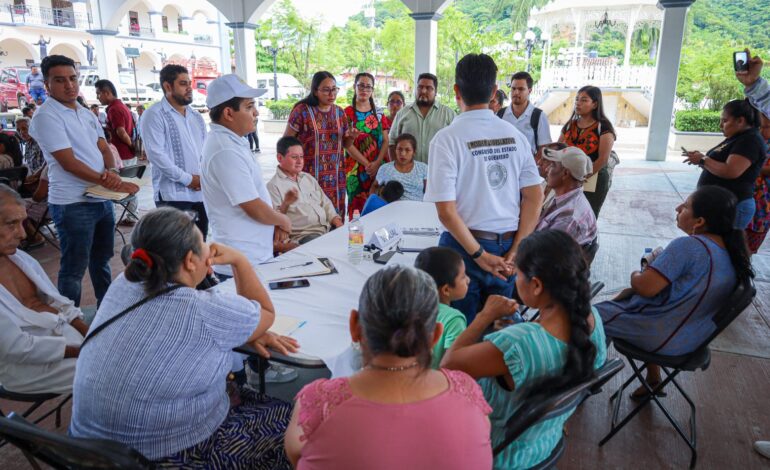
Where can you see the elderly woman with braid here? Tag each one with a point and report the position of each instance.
(396, 412)
(562, 348)
(152, 369)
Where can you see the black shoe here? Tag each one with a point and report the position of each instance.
(257, 150)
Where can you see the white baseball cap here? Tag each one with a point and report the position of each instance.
(228, 87)
(573, 159)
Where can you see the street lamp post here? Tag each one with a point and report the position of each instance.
(273, 50)
(530, 40)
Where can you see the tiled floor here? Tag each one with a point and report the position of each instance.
(732, 395)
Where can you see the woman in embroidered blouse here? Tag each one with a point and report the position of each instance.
(563, 347)
(591, 131)
(371, 142)
(394, 412)
(323, 129)
(669, 307)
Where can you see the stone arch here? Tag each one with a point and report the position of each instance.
(148, 64)
(76, 53)
(18, 52)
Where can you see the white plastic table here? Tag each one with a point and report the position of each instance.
(325, 305)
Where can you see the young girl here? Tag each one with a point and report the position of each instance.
(447, 268)
(562, 348)
(411, 174)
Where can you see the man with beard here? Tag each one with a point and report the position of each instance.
(422, 119)
(531, 121)
(173, 134)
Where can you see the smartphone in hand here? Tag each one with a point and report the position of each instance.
(740, 61)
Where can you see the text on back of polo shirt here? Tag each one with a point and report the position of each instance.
(491, 142)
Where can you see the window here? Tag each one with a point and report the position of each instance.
(179, 24)
(164, 22)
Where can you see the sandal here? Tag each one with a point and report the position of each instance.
(641, 392)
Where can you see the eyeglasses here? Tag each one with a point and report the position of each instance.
(395, 102)
(364, 87)
(329, 91)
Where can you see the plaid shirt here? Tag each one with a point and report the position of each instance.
(33, 156)
(570, 213)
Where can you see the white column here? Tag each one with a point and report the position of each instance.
(578, 30)
(106, 44)
(666, 74)
(80, 9)
(425, 43)
(223, 39)
(245, 51)
(156, 22)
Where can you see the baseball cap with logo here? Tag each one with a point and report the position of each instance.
(228, 87)
(573, 159)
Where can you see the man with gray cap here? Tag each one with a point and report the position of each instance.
(569, 211)
(236, 198)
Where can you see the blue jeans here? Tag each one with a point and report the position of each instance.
(87, 236)
(37, 93)
(744, 212)
(482, 283)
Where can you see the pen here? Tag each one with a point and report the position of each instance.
(297, 265)
(301, 324)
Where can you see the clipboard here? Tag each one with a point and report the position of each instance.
(590, 184)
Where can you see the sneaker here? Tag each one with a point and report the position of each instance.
(257, 150)
(763, 448)
(275, 374)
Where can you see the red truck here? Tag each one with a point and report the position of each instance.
(13, 88)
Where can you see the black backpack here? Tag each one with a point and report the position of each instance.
(534, 120)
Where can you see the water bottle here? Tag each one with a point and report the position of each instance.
(646, 257)
(355, 239)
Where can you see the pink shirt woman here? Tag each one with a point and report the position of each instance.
(396, 412)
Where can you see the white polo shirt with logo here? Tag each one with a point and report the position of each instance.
(481, 162)
(56, 127)
(230, 175)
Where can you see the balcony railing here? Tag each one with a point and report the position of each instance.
(29, 14)
(604, 76)
(136, 30)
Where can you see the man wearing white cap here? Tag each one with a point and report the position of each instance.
(236, 198)
(569, 210)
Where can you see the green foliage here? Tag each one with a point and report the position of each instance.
(281, 108)
(697, 120)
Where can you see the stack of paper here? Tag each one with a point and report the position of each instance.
(100, 192)
(292, 268)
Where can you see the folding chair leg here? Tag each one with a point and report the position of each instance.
(262, 365)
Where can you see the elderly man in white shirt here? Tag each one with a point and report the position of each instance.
(173, 134)
(78, 157)
(40, 330)
(236, 198)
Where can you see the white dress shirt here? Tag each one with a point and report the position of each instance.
(173, 143)
(231, 176)
(32, 343)
(56, 127)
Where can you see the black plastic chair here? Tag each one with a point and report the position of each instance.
(537, 409)
(37, 400)
(63, 452)
(46, 222)
(13, 177)
(589, 250)
(698, 359)
(133, 171)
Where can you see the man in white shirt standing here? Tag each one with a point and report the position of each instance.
(173, 135)
(72, 141)
(485, 184)
(236, 197)
(529, 120)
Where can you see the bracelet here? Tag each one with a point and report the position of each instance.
(114, 170)
(478, 252)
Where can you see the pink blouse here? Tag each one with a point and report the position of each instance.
(448, 431)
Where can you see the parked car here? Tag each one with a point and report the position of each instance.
(288, 86)
(87, 81)
(199, 101)
(130, 93)
(13, 88)
(157, 91)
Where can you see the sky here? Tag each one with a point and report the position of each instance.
(333, 12)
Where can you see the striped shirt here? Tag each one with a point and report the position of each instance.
(155, 379)
(759, 95)
(571, 213)
(530, 353)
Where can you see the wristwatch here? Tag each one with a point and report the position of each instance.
(702, 162)
(478, 252)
